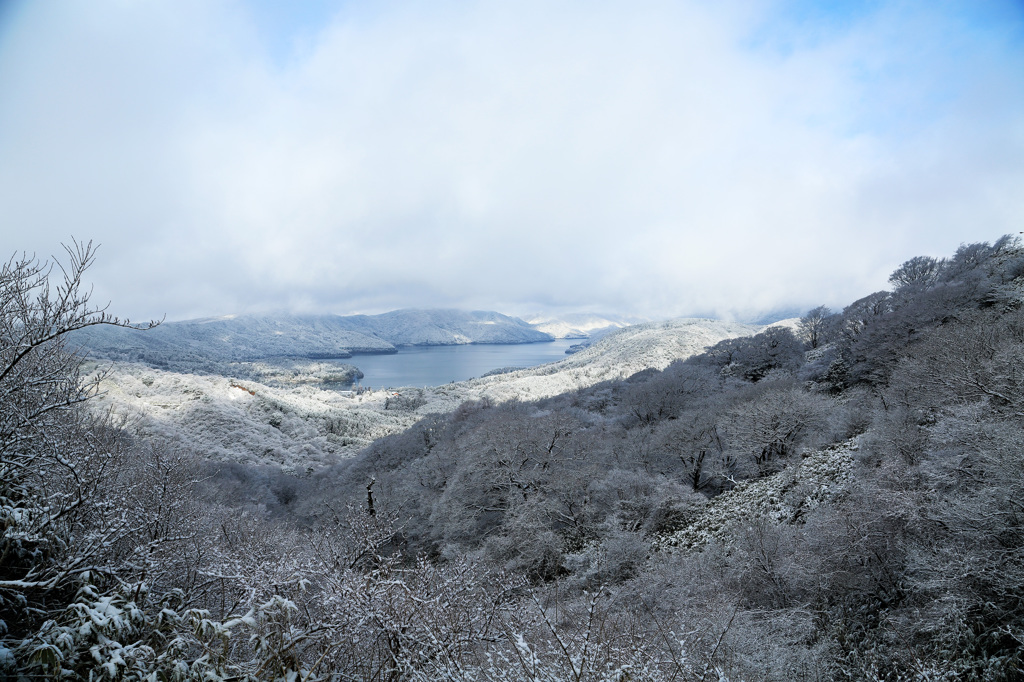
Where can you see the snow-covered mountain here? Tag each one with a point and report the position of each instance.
(578, 325)
(445, 327)
(252, 337)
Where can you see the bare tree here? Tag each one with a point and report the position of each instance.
(919, 271)
(769, 427)
(813, 325)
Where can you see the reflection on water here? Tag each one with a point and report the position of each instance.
(436, 365)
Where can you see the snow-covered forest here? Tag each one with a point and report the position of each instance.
(838, 498)
(288, 413)
(208, 344)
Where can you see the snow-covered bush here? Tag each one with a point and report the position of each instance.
(87, 519)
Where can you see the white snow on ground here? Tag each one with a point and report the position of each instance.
(230, 420)
(782, 497)
(618, 355)
(560, 329)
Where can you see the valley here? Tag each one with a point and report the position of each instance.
(799, 500)
(293, 413)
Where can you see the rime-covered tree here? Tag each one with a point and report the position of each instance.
(814, 324)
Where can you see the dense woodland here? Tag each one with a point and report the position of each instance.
(844, 503)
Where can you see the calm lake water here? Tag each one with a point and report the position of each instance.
(436, 365)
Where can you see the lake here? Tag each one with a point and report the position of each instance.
(436, 365)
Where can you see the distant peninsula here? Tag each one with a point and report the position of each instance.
(247, 338)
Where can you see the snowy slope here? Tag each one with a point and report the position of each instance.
(620, 354)
(578, 325)
(783, 497)
(224, 419)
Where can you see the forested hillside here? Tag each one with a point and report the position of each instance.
(289, 413)
(211, 343)
(842, 502)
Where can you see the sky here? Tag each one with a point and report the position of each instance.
(655, 158)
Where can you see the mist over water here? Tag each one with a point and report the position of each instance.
(436, 365)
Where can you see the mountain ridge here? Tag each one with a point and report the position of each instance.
(241, 338)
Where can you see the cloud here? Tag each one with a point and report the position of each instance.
(660, 158)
